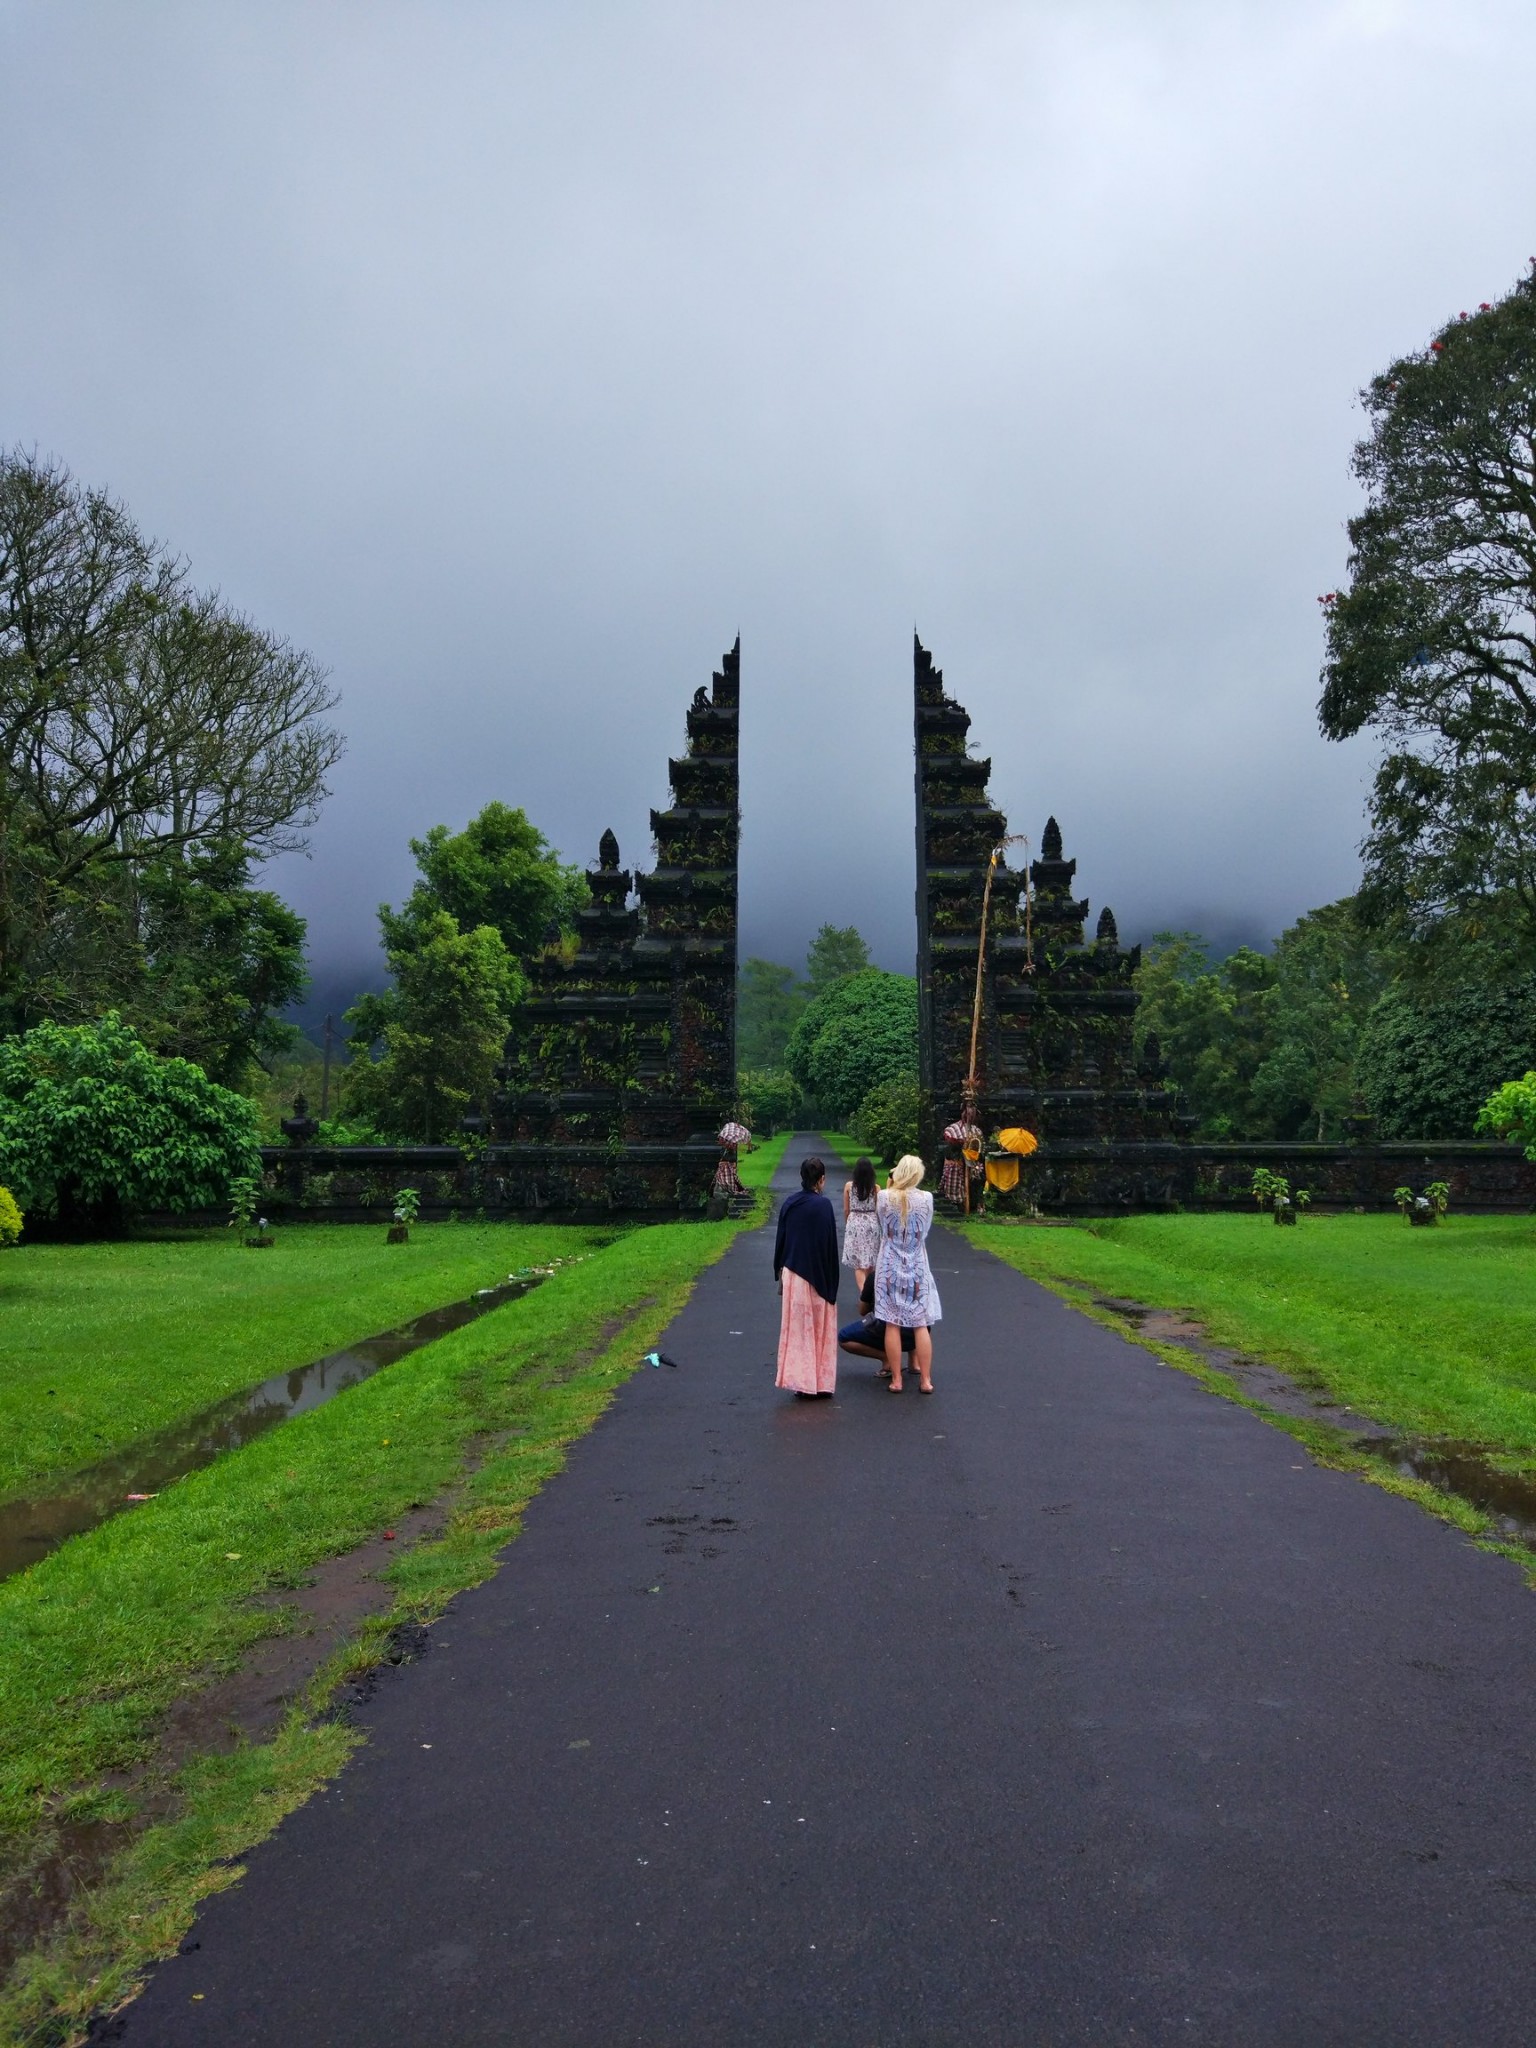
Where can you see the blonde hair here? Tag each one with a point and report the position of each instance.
(906, 1174)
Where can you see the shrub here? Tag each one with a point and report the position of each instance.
(769, 1099)
(94, 1128)
(10, 1218)
(885, 1122)
(1510, 1112)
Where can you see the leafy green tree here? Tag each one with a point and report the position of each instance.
(1433, 644)
(1427, 1066)
(139, 719)
(835, 952)
(769, 1099)
(1213, 1026)
(1510, 1112)
(769, 1002)
(499, 871)
(94, 1128)
(1329, 973)
(886, 1121)
(860, 1032)
(221, 961)
(427, 1049)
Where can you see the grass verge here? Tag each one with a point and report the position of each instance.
(1432, 1331)
(106, 1343)
(106, 1634)
(757, 1168)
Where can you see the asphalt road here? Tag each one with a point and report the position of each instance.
(1073, 1705)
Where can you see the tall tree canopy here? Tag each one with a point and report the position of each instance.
(142, 723)
(499, 871)
(837, 950)
(861, 1032)
(768, 1005)
(1433, 643)
(485, 897)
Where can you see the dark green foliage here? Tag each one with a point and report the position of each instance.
(1427, 1066)
(836, 951)
(221, 962)
(769, 1003)
(860, 1032)
(886, 1121)
(499, 871)
(768, 1099)
(95, 1129)
(1432, 645)
(488, 896)
(438, 1032)
(1329, 973)
(1212, 1023)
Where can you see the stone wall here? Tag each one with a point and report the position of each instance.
(1085, 1178)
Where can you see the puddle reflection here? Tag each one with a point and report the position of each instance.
(30, 1529)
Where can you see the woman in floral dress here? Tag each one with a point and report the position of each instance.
(861, 1225)
(905, 1296)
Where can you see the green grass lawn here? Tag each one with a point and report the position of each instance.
(103, 1635)
(1431, 1330)
(104, 1343)
(755, 1169)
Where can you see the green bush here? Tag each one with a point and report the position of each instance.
(94, 1128)
(885, 1122)
(769, 1099)
(860, 1033)
(10, 1218)
(1510, 1112)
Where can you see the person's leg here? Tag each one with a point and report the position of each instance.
(893, 1355)
(923, 1352)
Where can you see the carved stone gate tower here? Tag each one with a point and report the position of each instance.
(621, 1065)
(1055, 1047)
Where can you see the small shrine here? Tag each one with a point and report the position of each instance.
(1024, 1026)
(621, 1064)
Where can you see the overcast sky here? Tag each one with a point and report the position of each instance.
(513, 357)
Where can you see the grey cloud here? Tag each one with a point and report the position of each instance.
(514, 358)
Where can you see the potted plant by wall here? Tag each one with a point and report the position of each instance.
(407, 1209)
(254, 1233)
(1423, 1211)
(1273, 1191)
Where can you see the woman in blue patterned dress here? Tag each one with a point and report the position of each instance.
(905, 1296)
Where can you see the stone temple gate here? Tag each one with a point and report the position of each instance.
(621, 1065)
(1054, 1036)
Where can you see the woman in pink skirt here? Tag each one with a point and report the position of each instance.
(806, 1268)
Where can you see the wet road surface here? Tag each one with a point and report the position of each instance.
(1071, 1706)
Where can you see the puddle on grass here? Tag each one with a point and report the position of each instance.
(1466, 1470)
(30, 1529)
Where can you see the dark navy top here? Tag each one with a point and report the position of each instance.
(807, 1242)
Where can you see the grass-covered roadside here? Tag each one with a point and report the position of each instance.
(1433, 1331)
(106, 1342)
(103, 1635)
(756, 1169)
